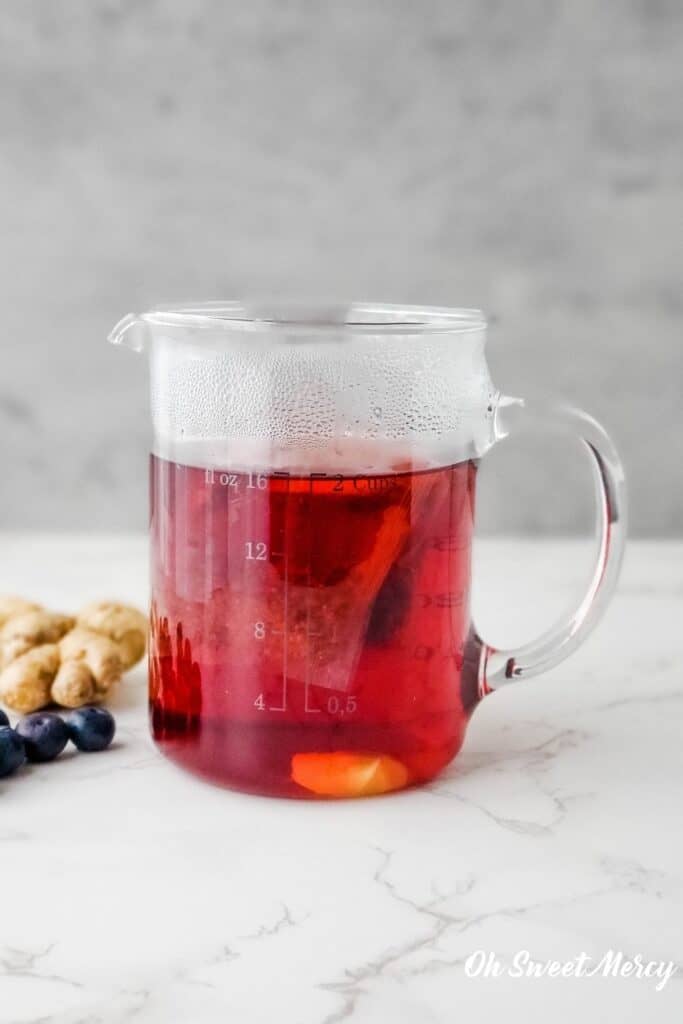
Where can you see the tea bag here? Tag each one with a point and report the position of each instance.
(329, 623)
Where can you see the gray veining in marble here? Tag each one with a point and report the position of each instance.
(522, 157)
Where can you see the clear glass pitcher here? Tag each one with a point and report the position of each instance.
(312, 500)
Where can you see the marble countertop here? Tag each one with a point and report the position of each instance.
(132, 892)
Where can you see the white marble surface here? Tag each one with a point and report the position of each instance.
(132, 892)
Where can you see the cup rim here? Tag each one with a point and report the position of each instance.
(319, 318)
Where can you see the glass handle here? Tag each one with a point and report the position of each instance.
(513, 415)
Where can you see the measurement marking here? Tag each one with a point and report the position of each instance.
(309, 635)
(285, 612)
(285, 650)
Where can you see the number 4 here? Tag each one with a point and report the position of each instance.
(260, 703)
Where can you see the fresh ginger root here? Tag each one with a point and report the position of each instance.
(126, 626)
(50, 658)
(27, 681)
(11, 606)
(23, 632)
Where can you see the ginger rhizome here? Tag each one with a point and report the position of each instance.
(47, 658)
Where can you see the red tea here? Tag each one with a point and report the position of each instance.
(311, 634)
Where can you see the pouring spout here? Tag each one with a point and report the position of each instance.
(131, 332)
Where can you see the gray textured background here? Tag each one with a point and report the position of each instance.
(523, 157)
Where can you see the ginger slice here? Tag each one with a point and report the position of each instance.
(348, 773)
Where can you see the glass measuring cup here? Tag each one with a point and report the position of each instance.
(312, 500)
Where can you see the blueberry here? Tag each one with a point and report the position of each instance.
(44, 736)
(12, 753)
(91, 728)
(4, 720)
